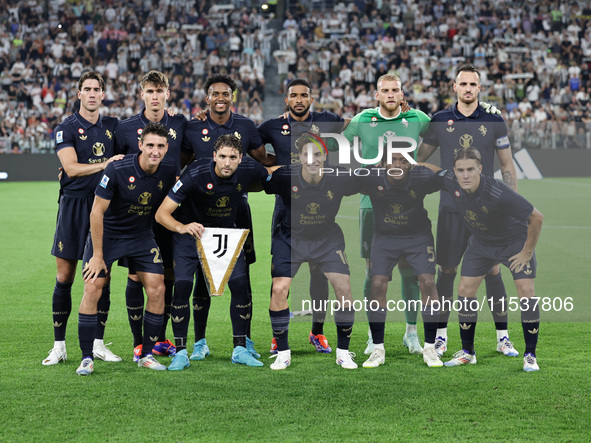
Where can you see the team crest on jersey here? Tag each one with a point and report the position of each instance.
(82, 136)
(471, 215)
(466, 140)
(222, 202)
(483, 209)
(396, 208)
(412, 194)
(450, 123)
(172, 133)
(104, 181)
(312, 208)
(98, 149)
(160, 185)
(405, 123)
(374, 122)
(109, 134)
(286, 130)
(329, 195)
(209, 186)
(59, 137)
(237, 135)
(205, 138)
(144, 198)
(131, 179)
(239, 187)
(483, 130)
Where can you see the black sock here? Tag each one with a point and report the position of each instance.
(152, 325)
(344, 319)
(169, 286)
(430, 323)
(445, 290)
(62, 307)
(530, 322)
(180, 312)
(86, 332)
(103, 306)
(201, 306)
(134, 300)
(496, 296)
(377, 324)
(468, 316)
(280, 327)
(239, 340)
(319, 296)
(248, 330)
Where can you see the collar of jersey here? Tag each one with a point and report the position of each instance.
(389, 118)
(219, 180)
(85, 123)
(213, 124)
(139, 172)
(145, 121)
(305, 184)
(459, 116)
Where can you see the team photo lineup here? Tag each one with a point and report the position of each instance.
(141, 192)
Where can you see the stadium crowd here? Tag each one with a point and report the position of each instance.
(534, 58)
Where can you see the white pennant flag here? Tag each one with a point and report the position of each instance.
(218, 251)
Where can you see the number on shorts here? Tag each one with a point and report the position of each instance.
(156, 253)
(431, 252)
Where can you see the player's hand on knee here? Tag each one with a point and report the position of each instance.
(93, 268)
(490, 109)
(520, 260)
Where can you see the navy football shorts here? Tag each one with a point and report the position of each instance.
(452, 239)
(387, 250)
(481, 257)
(366, 229)
(72, 226)
(326, 252)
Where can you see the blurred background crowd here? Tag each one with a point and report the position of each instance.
(533, 56)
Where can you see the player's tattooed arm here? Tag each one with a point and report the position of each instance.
(507, 168)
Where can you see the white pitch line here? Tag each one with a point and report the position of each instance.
(566, 182)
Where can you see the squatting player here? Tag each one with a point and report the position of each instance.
(209, 193)
(402, 229)
(121, 222)
(200, 136)
(369, 126)
(85, 146)
(281, 133)
(154, 93)
(468, 123)
(505, 228)
(308, 233)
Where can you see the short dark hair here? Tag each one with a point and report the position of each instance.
(156, 129)
(156, 78)
(469, 153)
(467, 68)
(228, 141)
(299, 82)
(220, 78)
(91, 75)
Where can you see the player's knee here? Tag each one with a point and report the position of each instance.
(448, 270)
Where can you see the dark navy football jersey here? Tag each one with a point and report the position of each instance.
(313, 207)
(451, 130)
(200, 136)
(282, 133)
(211, 200)
(398, 208)
(494, 214)
(128, 134)
(94, 143)
(134, 195)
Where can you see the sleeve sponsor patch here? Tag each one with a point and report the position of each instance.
(104, 181)
(269, 177)
(442, 172)
(59, 137)
(177, 186)
(503, 142)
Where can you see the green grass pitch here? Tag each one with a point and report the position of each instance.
(314, 399)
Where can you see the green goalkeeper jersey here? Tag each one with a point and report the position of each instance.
(370, 124)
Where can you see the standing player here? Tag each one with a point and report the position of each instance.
(210, 193)
(121, 226)
(154, 92)
(465, 124)
(200, 137)
(282, 133)
(369, 126)
(85, 146)
(505, 228)
(308, 233)
(402, 229)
